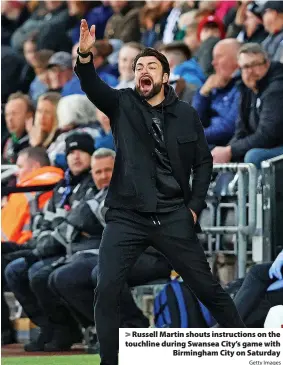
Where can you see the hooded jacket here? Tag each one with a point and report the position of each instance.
(191, 72)
(21, 208)
(260, 123)
(133, 184)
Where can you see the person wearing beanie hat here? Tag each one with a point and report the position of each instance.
(79, 141)
(273, 24)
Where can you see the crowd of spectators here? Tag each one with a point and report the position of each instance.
(226, 60)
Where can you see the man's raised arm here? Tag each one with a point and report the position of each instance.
(103, 96)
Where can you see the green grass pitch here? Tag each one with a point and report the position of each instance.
(52, 360)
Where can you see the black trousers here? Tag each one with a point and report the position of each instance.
(72, 283)
(78, 290)
(125, 237)
(252, 300)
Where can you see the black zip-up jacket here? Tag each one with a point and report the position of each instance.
(133, 184)
(260, 123)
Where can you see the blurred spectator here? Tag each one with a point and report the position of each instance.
(210, 30)
(191, 37)
(107, 72)
(18, 217)
(51, 24)
(18, 111)
(61, 76)
(124, 23)
(93, 14)
(11, 69)
(261, 290)
(248, 25)
(74, 112)
(63, 331)
(171, 26)
(273, 24)
(28, 73)
(13, 15)
(127, 55)
(259, 131)
(182, 64)
(40, 84)
(44, 130)
(153, 17)
(105, 140)
(217, 100)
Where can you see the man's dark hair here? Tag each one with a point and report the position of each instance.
(37, 154)
(147, 52)
(177, 46)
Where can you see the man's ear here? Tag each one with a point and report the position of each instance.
(165, 78)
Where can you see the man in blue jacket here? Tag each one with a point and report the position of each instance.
(217, 100)
(259, 131)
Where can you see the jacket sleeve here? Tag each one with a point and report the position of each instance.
(202, 170)
(202, 105)
(222, 127)
(46, 244)
(269, 130)
(99, 93)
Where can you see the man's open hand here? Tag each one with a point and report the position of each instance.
(87, 37)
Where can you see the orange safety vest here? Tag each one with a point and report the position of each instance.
(17, 213)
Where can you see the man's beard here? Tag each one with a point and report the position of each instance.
(154, 91)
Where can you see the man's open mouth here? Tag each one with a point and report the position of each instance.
(145, 84)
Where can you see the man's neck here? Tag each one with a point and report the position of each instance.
(157, 99)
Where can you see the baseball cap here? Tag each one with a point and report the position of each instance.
(63, 59)
(273, 5)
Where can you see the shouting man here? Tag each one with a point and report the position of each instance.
(159, 140)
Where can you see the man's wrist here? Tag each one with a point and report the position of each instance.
(204, 91)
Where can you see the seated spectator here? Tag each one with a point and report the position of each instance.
(28, 74)
(61, 76)
(259, 131)
(13, 15)
(18, 216)
(33, 170)
(210, 30)
(153, 17)
(248, 26)
(94, 14)
(127, 55)
(51, 21)
(191, 37)
(107, 72)
(105, 140)
(18, 111)
(124, 23)
(261, 290)
(40, 84)
(182, 64)
(48, 247)
(74, 113)
(11, 70)
(217, 100)
(273, 24)
(44, 130)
